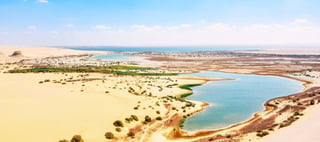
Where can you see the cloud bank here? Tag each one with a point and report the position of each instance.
(296, 32)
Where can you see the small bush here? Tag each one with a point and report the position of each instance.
(312, 102)
(134, 117)
(109, 135)
(64, 140)
(76, 138)
(158, 118)
(181, 123)
(131, 134)
(118, 123)
(147, 118)
(118, 129)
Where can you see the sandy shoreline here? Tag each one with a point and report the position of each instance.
(305, 129)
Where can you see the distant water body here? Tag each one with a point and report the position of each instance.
(160, 49)
(236, 100)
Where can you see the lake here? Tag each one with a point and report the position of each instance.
(236, 100)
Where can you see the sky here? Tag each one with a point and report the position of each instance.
(160, 22)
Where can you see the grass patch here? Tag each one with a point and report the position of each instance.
(131, 70)
(181, 123)
(188, 86)
(186, 95)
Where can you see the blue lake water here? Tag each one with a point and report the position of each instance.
(236, 100)
(160, 49)
(118, 56)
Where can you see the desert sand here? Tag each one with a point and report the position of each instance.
(36, 52)
(50, 107)
(287, 51)
(52, 111)
(304, 130)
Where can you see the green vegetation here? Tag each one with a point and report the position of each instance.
(118, 123)
(131, 134)
(134, 117)
(109, 135)
(181, 123)
(76, 138)
(147, 118)
(118, 129)
(188, 86)
(262, 133)
(185, 95)
(119, 70)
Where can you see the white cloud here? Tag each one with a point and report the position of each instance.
(54, 32)
(43, 1)
(173, 28)
(146, 28)
(32, 27)
(100, 27)
(206, 34)
(202, 21)
(220, 27)
(185, 25)
(300, 21)
(69, 25)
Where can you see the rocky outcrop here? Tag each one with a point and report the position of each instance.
(16, 54)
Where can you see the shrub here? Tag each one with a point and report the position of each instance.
(131, 134)
(158, 118)
(134, 117)
(118, 129)
(158, 112)
(76, 138)
(181, 123)
(109, 135)
(118, 123)
(147, 118)
(312, 102)
(64, 140)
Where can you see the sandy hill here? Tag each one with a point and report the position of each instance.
(16, 54)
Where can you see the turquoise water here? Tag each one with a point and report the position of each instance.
(236, 100)
(161, 49)
(111, 57)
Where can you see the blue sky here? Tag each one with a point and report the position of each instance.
(164, 22)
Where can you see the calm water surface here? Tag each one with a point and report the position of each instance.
(118, 56)
(237, 100)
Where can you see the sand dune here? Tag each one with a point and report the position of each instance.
(34, 111)
(304, 130)
(44, 51)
